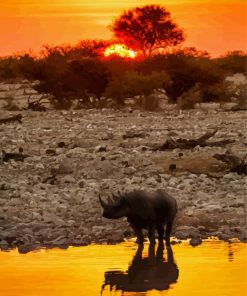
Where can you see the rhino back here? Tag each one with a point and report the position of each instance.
(165, 206)
(157, 207)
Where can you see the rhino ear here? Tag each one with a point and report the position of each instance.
(115, 197)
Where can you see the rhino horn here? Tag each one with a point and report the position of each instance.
(102, 202)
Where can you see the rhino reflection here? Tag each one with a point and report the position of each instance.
(144, 274)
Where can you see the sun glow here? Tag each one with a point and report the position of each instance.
(120, 50)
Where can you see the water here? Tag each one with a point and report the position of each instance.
(213, 269)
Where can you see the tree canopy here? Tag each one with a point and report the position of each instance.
(147, 29)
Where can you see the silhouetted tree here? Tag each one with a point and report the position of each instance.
(148, 29)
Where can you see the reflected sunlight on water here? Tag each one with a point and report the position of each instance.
(213, 268)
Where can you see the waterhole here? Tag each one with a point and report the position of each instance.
(214, 268)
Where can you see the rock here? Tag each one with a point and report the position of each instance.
(60, 241)
(68, 179)
(4, 245)
(195, 241)
(24, 248)
(129, 171)
(175, 241)
(151, 181)
(173, 182)
(108, 136)
(61, 144)
(172, 167)
(64, 168)
(81, 183)
(129, 134)
(116, 237)
(229, 106)
(4, 186)
(243, 236)
(50, 152)
(184, 232)
(85, 240)
(231, 176)
(100, 148)
(54, 219)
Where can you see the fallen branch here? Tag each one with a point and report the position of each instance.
(236, 164)
(15, 156)
(36, 105)
(130, 134)
(13, 118)
(172, 143)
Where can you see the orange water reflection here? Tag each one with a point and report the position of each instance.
(213, 268)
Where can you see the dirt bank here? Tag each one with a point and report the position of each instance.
(50, 199)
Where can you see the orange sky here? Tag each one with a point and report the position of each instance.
(216, 26)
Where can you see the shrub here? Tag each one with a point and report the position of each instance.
(188, 99)
(133, 84)
(233, 62)
(78, 83)
(9, 68)
(186, 68)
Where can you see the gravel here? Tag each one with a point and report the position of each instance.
(51, 198)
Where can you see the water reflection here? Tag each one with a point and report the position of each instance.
(145, 273)
(230, 253)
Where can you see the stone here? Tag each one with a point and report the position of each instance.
(24, 248)
(81, 183)
(68, 179)
(116, 237)
(231, 176)
(100, 148)
(195, 241)
(129, 171)
(4, 245)
(30, 91)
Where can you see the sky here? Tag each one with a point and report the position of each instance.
(216, 26)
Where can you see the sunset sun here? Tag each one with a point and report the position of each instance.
(120, 50)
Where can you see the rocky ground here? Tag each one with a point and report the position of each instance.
(51, 198)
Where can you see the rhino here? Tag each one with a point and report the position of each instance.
(143, 211)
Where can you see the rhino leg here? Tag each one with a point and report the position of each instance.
(139, 234)
(151, 234)
(160, 229)
(168, 232)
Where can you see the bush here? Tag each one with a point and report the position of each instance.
(9, 68)
(186, 68)
(233, 62)
(188, 99)
(78, 83)
(133, 84)
(81, 75)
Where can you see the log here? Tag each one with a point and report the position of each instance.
(15, 156)
(13, 118)
(235, 163)
(130, 134)
(172, 143)
(36, 105)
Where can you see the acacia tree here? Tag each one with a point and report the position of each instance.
(148, 29)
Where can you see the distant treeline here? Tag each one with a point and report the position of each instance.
(83, 75)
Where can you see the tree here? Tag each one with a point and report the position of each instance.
(148, 29)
